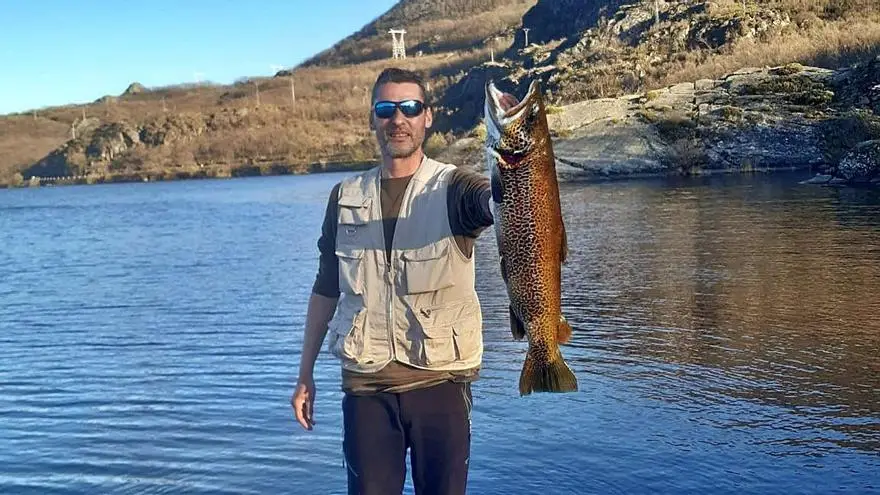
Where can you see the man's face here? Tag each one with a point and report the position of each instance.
(400, 136)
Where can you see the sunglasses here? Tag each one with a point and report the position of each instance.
(409, 108)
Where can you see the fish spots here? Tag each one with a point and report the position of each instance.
(529, 230)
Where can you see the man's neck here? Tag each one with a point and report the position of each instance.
(393, 168)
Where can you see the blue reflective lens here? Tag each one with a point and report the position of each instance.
(409, 108)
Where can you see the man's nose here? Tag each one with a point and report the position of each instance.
(398, 117)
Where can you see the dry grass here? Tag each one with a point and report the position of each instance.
(25, 139)
(225, 127)
(444, 26)
(830, 45)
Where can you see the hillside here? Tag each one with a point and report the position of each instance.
(580, 49)
(254, 126)
(614, 48)
(432, 26)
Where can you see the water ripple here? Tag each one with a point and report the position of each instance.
(725, 339)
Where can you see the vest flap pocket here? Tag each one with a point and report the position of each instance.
(353, 201)
(351, 342)
(450, 331)
(354, 210)
(427, 269)
(352, 254)
(444, 315)
(351, 270)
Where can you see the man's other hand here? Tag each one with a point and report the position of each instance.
(303, 402)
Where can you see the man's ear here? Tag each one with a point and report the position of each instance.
(429, 118)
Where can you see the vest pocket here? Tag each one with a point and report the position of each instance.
(351, 270)
(351, 339)
(427, 269)
(439, 345)
(351, 238)
(354, 210)
(450, 331)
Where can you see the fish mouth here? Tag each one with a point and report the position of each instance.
(495, 111)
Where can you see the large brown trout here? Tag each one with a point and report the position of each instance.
(530, 233)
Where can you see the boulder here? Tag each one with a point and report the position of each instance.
(862, 164)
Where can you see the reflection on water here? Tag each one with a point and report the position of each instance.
(727, 338)
(766, 293)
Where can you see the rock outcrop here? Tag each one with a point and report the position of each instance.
(134, 89)
(583, 49)
(753, 119)
(859, 167)
(558, 19)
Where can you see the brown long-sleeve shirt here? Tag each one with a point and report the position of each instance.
(468, 215)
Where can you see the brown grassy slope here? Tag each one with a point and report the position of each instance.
(223, 125)
(823, 33)
(26, 138)
(432, 26)
(218, 129)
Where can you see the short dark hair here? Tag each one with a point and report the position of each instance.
(397, 75)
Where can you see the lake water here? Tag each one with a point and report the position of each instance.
(726, 339)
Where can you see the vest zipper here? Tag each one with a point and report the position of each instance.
(389, 283)
(389, 272)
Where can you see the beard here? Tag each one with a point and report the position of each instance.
(400, 148)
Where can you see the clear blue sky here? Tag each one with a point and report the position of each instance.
(54, 52)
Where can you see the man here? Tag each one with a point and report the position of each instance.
(395, 297)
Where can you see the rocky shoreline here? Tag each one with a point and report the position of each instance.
(753, 120)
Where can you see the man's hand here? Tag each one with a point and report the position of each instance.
(303, 402)
(320, 311)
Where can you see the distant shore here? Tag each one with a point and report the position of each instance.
(248, 170)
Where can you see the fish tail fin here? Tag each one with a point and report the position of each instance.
(563, 331)
(539, 376)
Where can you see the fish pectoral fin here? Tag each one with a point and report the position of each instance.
(563, 250)
(516, 325)
(503, 270)
(541, 376)
(563, 331)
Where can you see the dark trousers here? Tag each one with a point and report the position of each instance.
(433, 423)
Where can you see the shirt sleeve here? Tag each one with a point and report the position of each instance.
(468, 203)
(327, 280)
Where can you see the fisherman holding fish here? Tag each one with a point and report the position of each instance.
(395, 300)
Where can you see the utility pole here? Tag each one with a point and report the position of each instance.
(292, 91)
(398, 48)
(257, 85)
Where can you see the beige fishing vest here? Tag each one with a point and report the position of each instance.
(421, 309)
